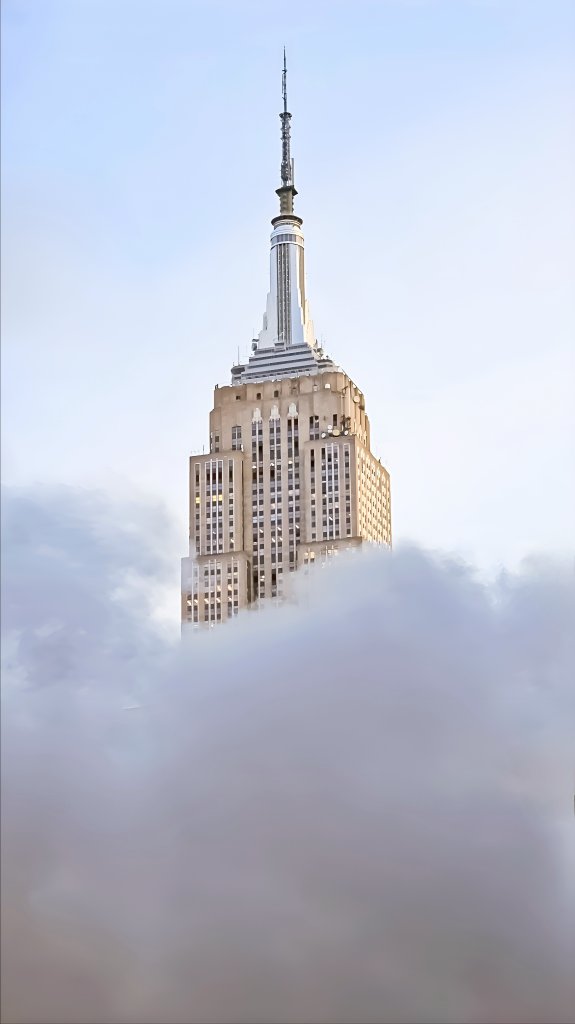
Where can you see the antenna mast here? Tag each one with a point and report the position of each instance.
(285, 116)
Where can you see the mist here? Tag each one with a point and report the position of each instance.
(357, 808)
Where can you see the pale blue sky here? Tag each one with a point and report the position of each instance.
(435, 156)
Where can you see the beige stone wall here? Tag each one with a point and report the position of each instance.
(325, 395)
(289, 473)
(216, 488)
(214, 588)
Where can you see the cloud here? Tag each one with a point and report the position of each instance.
(356, 809)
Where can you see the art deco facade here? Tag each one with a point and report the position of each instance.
(290, 478)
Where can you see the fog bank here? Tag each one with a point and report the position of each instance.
(358, 808)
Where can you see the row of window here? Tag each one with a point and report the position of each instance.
(205, 602)
(314, 429)
(287, 238)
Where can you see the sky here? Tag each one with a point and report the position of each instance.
(379, 830)
(434, 155)
(362, 807)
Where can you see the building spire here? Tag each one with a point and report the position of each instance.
(284, 83)
(286, 192)
(285, 116)
(286, 343)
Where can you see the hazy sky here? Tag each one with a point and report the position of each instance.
(434, 158)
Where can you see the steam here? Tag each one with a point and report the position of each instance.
(356, 809)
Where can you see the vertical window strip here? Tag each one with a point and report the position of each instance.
(283, 290)
(257, 509)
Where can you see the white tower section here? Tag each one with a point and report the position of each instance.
(286, 319)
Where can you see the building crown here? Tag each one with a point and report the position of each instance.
(286, 345)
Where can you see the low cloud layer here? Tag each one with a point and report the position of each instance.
(356, 809)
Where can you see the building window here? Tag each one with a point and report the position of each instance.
(314, 428)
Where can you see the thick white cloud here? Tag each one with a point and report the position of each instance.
(356, 809)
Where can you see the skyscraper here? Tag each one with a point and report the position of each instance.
(290, 478)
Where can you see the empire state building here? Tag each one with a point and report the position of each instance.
(290, 479)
